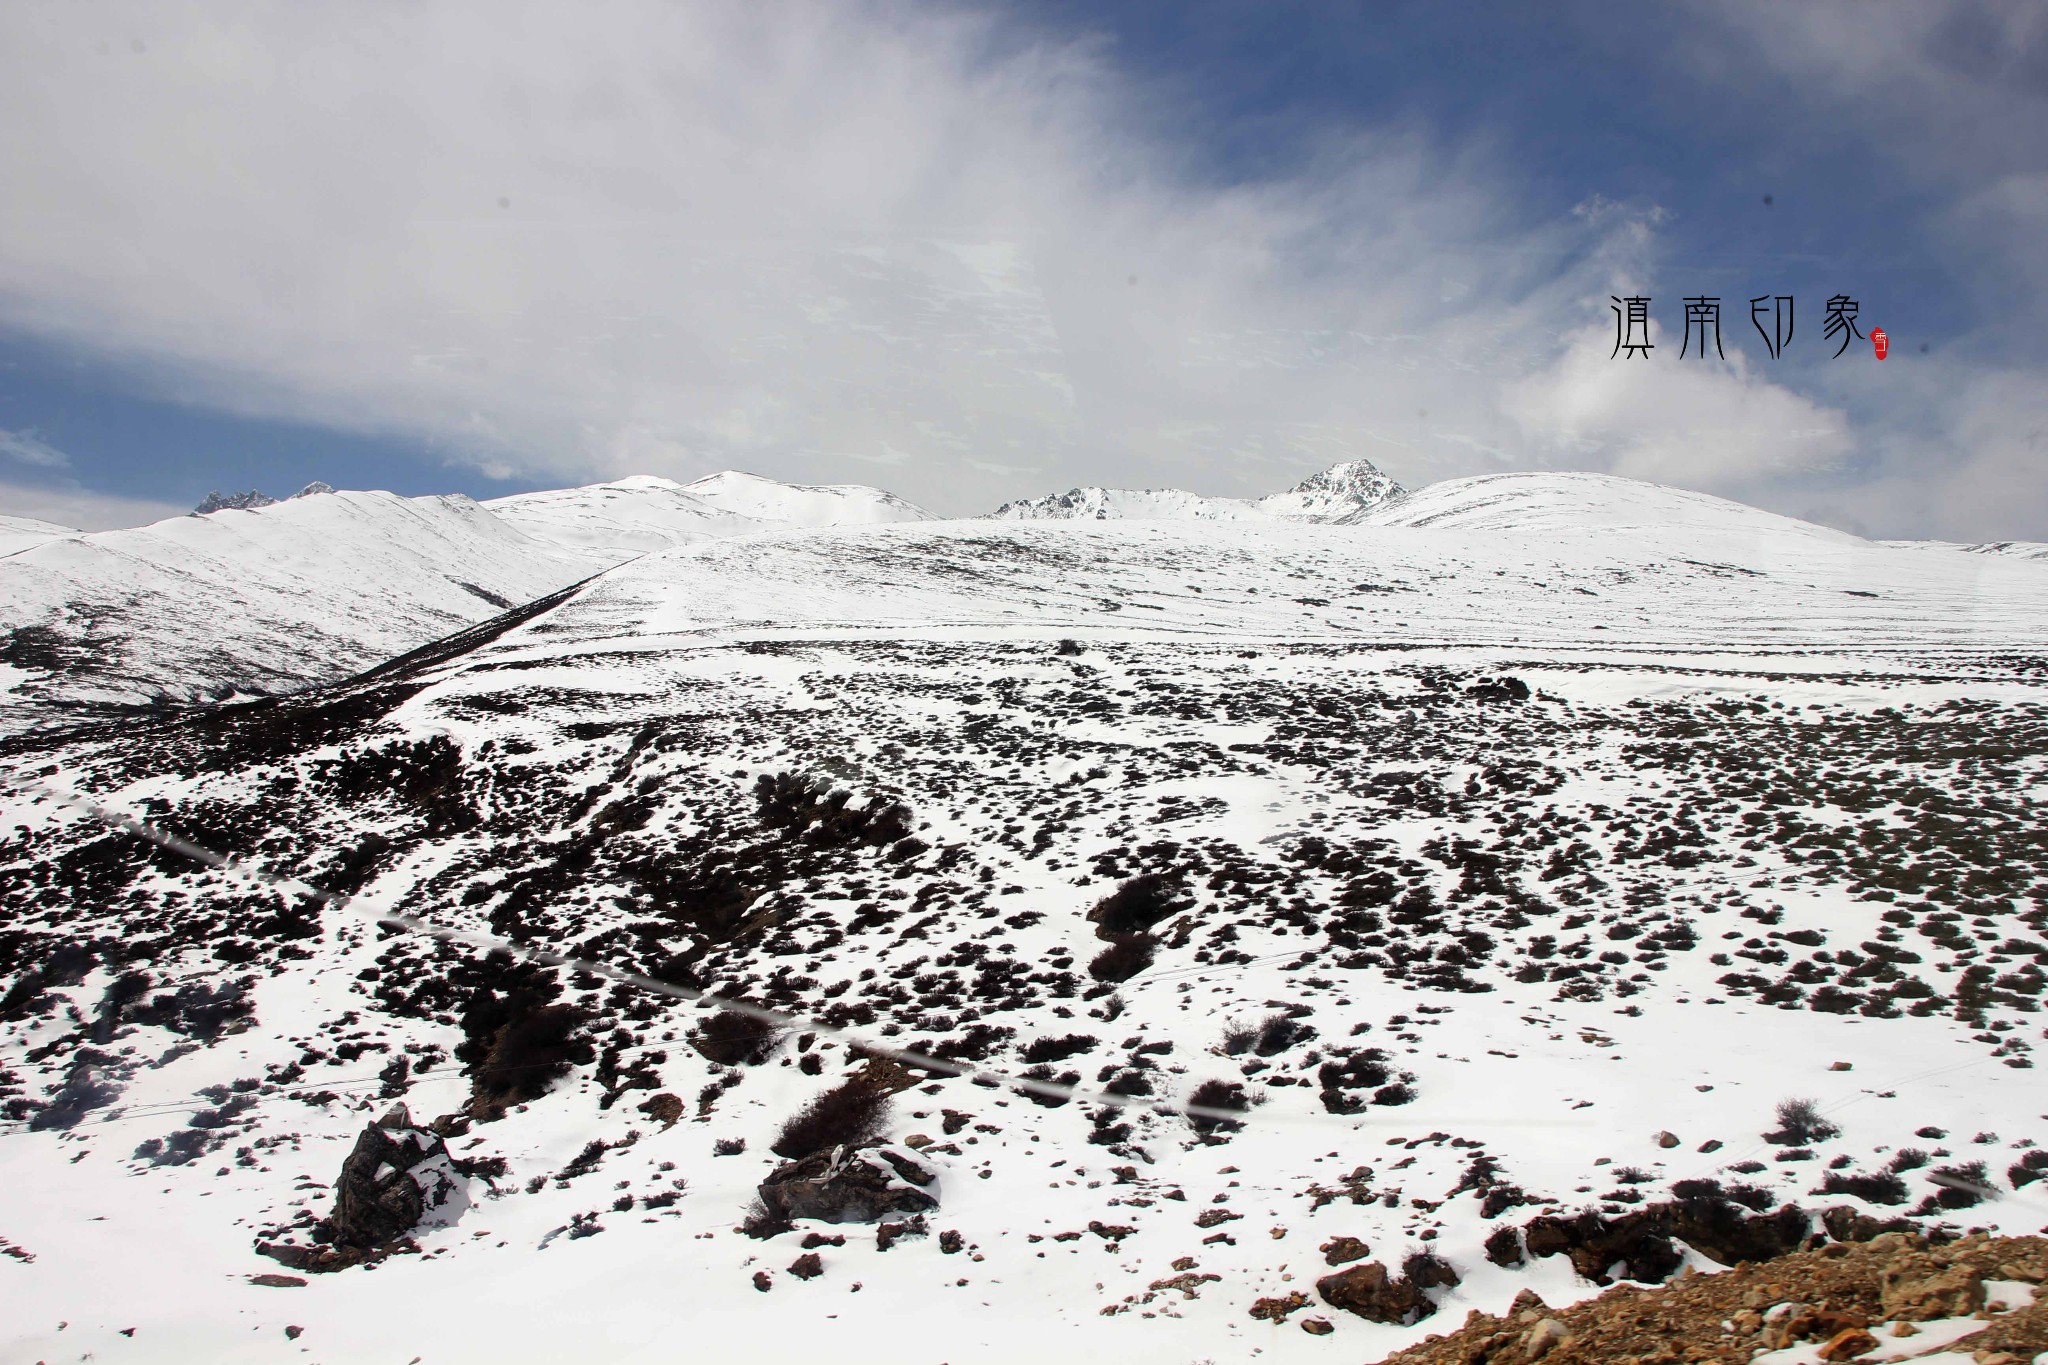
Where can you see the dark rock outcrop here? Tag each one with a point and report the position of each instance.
(1642, 1243)
(1375, 1293)
(850, 1185)
(397, 1179)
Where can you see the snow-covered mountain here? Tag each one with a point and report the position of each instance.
(264, 600)
(18, 533)
(1340, 495)
(613, 522)
(1539, 504)
(616, 521)
(1562, 893)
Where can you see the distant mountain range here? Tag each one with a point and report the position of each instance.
(255, 595)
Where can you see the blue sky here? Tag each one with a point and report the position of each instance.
(977, 252)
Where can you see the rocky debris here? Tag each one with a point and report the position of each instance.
(1277, 1309)
(1642, 1241)
(1318, 1327)
(1375, 1293)
(1845, 1299)
(1342, 1250)
(398, 1179)
(808, 1266)
(850, 1185)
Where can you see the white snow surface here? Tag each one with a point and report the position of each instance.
(18, 533)
(305, 590)
(613, 522)
(1769, 777)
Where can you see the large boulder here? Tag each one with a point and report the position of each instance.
(850, 1185)
(1375, 1293)
(397, 1180)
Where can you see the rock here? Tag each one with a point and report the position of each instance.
(397, 1178)
(850, 1185)
(1667, 1140)
(1276, 1310)
(762, 1280)
(1318, 1327)
(1375, 1294)
(276, 1281)
(1847, 1344)
(951, 1242)
(807, 1266)
(1543, 1338)
(664, 1108)
(1340, 1250)
(1912, 1288)
(1843, 1066)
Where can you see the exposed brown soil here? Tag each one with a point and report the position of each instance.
(1836, 1293)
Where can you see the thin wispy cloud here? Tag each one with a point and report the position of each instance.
(25, 447)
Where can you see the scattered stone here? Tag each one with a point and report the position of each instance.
(1277, 1309)
(1544, 1337)
(1667, 1140)
(271, 1280)
(1318, 1327)
(807, 1266)
(762, 1280)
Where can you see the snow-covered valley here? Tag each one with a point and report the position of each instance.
(1505, 850)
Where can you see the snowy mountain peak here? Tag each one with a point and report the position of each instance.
(1122, 504)
(249, 501)
(1340, 494)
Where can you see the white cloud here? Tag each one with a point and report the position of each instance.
(26, 447)
(70, 505)
(809, 239)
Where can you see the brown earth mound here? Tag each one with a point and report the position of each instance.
(1851, 1297)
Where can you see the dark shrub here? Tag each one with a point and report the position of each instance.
(1124, 958)
(1058, 1049)
(525, 1056)
(847, 1115)
(1882, 1188)
(1137, 905)
(1800, 1122)
(1217, 1095)
(731, 1038)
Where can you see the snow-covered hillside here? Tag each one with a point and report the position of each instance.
(1503, 875)
(19, 533)
(802, 504)
(1340, 495)
(301, 591)
(613, 522)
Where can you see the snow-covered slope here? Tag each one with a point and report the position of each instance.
(1534, 505)
(613, 522)
(802, 504)
(18, 533)
(1342, 494)
(1502, 875)
(302, 591)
